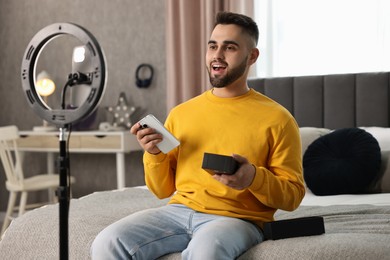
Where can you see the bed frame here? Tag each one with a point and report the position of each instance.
(332, 101)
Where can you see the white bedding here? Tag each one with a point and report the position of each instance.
(379, 199)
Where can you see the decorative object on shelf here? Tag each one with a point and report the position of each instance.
(86, 124)
(121, 112)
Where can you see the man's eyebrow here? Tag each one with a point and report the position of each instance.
(231, 42)
(224, 42)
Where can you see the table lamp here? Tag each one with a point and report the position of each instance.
(45, 87)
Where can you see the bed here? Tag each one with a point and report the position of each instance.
(357, 226)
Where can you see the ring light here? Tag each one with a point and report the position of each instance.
(96, 78)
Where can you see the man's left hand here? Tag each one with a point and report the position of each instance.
(242, 178)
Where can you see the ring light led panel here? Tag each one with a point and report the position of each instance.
(63, 117)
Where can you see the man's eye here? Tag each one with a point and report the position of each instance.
(212, 47)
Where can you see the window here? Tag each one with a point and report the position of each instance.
(306, 37)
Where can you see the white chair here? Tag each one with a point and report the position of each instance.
(16, 183)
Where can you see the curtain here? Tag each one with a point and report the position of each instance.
(189, 24)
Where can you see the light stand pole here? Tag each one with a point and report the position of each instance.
(63, 195)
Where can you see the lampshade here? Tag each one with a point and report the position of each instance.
(44, 85)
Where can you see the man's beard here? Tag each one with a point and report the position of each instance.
(230, 77)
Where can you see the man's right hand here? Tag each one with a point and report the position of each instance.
(147, 137)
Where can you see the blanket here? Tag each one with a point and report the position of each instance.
(351, 231)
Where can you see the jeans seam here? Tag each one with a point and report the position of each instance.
(137, 247)
(190, 223)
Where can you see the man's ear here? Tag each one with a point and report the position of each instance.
(255, 53)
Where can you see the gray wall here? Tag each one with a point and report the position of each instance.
(129, 31)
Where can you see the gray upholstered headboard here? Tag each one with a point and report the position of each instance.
(332, 101)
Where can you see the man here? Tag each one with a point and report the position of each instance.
(215, 216)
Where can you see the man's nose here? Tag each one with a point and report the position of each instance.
(219, 54)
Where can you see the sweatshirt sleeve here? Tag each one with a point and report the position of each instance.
(160, 173)
(160, 169)
(280, 185)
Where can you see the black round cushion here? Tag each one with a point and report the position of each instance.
(345, 161)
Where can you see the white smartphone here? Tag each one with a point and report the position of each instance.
(169, 141)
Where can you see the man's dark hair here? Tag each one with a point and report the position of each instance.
(245, 22)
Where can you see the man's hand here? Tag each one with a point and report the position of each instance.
(242, 178)
(147, 138)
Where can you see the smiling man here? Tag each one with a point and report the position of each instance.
(214, 216)
(229, 57)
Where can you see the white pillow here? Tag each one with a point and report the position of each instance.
(310, 134)
(381, 134)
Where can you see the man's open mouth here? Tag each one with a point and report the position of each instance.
(218, 67)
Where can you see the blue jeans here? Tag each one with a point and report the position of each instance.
(155, 232)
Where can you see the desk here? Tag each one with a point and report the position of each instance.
(118, 142)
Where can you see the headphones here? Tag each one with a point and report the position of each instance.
(144, 83)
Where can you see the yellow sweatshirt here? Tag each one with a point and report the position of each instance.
(251, 125)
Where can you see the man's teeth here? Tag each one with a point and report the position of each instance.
(217, 67)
